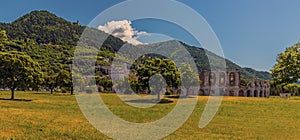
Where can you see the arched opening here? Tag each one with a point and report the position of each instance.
(231, 92)
(231, 79)
(248, 93)
(212, 78)
(226, 92)
(241, 93)
(222, 78)
(256, 93)
(212, 93)
(261, 94)
(206, 92)
(201, 92)
(252, 84)
(221, 92)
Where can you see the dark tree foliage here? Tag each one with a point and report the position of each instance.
(44, 27)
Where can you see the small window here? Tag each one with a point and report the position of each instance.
(222, 78)
(231, 79)
(212, 79)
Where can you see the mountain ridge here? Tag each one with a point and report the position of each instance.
(46, 28)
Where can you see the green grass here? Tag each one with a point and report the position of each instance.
(45, 116)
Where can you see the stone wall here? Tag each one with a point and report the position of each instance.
(227, 83)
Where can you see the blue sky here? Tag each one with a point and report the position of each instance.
(251, 32)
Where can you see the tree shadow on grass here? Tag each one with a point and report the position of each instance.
(149, 101)
(53, 94)
(177, 96)
(20, 100)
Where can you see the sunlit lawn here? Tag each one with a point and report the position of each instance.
(45, 116)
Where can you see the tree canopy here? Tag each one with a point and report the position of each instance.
(18, 71)
(287, 68)
(190, 77)
(165, 67)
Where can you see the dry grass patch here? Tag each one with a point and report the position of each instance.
(59, 117)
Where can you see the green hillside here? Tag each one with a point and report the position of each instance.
(50, 40)
(44, 28)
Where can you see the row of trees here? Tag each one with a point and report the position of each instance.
(26, 65)
(19, 70)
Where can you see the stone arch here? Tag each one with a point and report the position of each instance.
(221, 92)
(231, 92)
(248, 93)
(256, 93)
(222, 79)
(257, 83)
(212, 78)
(241, 93)
(206, 92)
(201, 92)
(232, 79)
(226, 92)
(261, 93)
(252, 84)
(212, 92)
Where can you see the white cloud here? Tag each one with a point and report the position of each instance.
(123, 30)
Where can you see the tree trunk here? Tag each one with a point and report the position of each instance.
(282, 89)
(51, 90)
(72, 90)
(12, 94)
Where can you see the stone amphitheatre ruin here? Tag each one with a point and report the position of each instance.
(229, 84)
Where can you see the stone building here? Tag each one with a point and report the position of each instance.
(118, 72)
(228, 83)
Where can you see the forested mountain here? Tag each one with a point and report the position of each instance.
(199, 55)
(51, 41)
(44, 28)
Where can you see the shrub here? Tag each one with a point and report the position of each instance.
(64, 90)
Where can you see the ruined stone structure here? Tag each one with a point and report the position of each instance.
(224, 83)
(227, 83)
(117, 73)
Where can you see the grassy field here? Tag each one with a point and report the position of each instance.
(45, 116)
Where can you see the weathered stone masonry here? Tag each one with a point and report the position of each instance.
(228, 84)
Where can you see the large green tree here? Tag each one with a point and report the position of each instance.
(104, 82)
(164, 67)
(190, 77)
(287, 68)
(50, 80)
(18, 71)
(64, 79)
